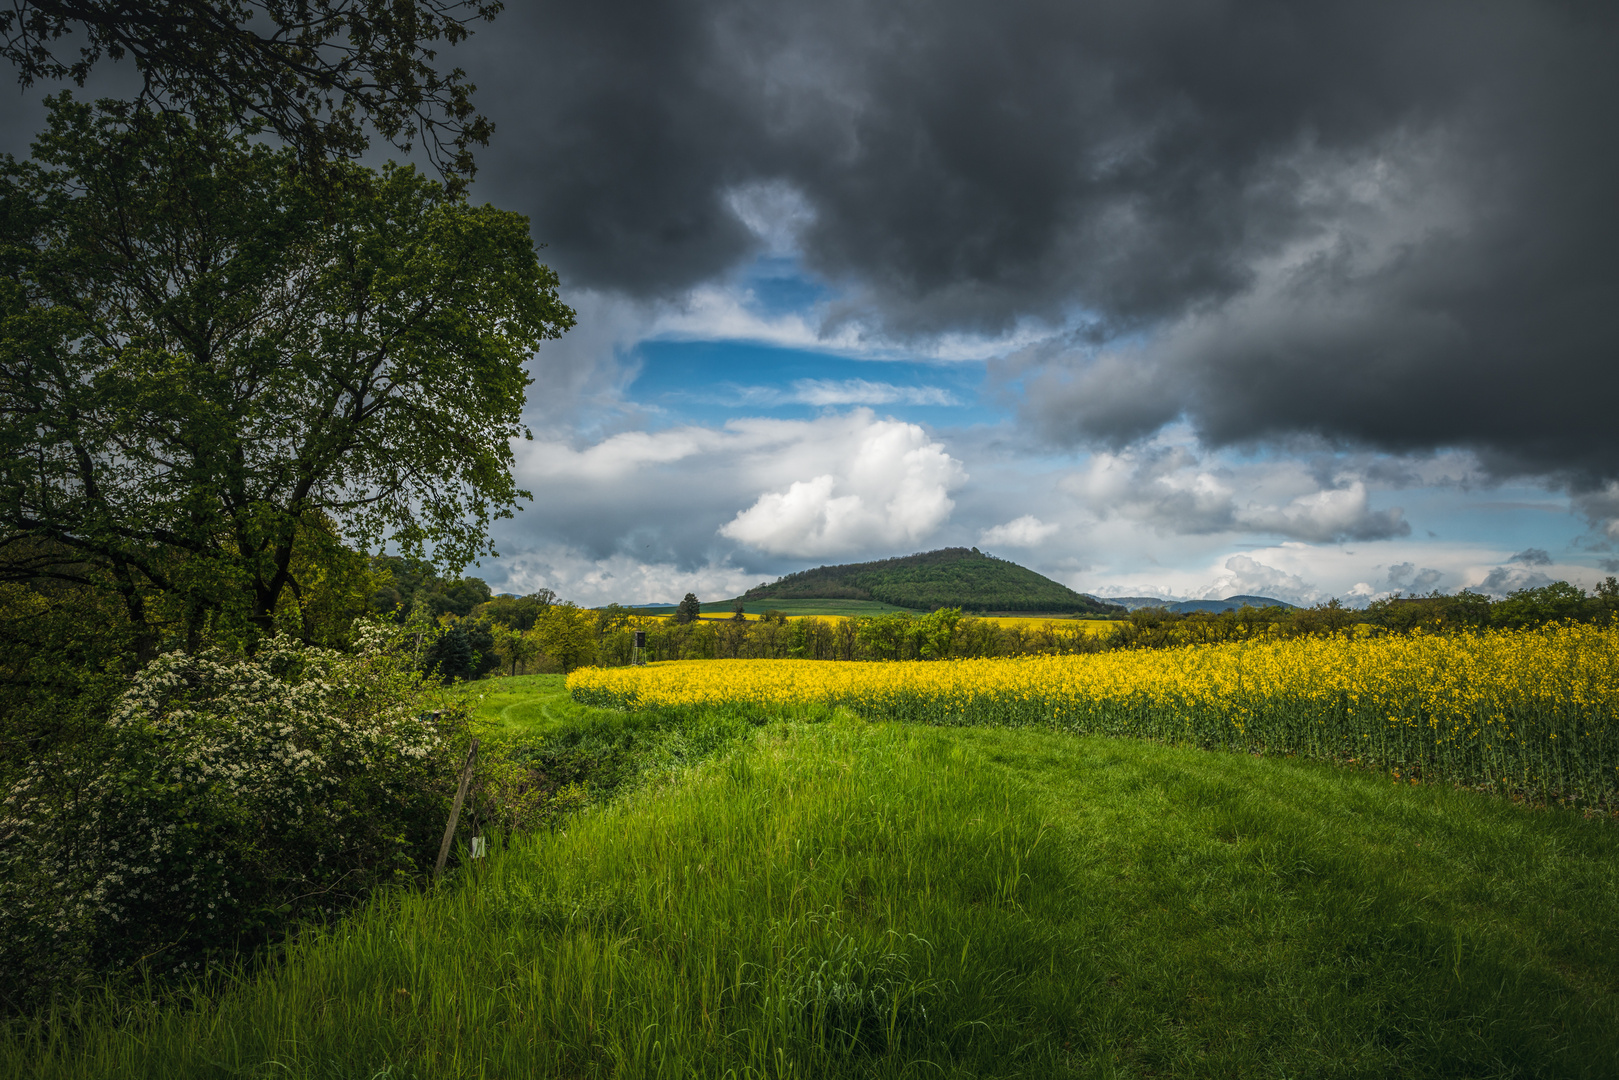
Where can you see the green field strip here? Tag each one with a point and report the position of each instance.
(880, 900)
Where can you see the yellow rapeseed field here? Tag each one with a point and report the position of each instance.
(1529, 711)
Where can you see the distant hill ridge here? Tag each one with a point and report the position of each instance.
(950, 577)
(1184, 607)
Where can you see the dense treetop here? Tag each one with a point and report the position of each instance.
(950, 577)
(216, 377)
(316, 72)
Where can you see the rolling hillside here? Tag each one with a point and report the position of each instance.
(949, 577)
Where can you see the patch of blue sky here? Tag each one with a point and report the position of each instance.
(709, 382)
(1508, 518)
(779, 285)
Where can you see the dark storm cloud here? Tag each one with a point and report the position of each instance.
(1377, 223)
(1383, 224)
(969, 162)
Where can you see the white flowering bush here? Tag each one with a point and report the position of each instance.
(224, 799)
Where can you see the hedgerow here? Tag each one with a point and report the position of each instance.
(226, 799)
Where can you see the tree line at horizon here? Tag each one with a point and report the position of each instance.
(540, 633)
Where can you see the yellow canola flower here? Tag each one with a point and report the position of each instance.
(1534, 706)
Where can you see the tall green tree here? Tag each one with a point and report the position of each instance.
(514, 647)
(567, 634)
(400, 582)
(210, 365)
(516, 612)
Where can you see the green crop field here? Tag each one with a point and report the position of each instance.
(809, 894)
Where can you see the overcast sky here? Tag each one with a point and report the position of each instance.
(1175, 298)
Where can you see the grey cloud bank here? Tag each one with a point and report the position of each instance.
(1386, 224)
(1350, 234)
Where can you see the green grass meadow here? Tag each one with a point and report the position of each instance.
(525, 707)
(820, 896)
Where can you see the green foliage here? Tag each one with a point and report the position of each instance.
(451, 656)
(1439, 612)
(817, 607)
(688, 609)
(883, 637)
(1158, 628)
(894, 635)
(950, 577)
(464, 649)
(514, 648)
(213, 371)
(1535, 607)
(401, 582)
(223, 800)
(517, 613)
(63, 653)
(329, 587)
(1154, 627)
(316, 71)
(567, 634)
(465, 642)
(951, 633)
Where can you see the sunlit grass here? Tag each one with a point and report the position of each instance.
(522, 706)
(880, 900)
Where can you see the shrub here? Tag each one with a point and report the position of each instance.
(225, 799)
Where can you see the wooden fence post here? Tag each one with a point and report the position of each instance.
(455, 811)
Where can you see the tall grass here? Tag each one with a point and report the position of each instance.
(755, 915)
(866, 900)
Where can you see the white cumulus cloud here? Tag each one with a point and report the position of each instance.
(1247, 576)
(1026, 531)
(1172, 489)
(892, 488)
(618, 578)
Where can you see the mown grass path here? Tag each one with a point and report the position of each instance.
(855, 899)
(1242, 916)
(523, 706)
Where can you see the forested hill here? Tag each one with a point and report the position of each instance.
(950, 577)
